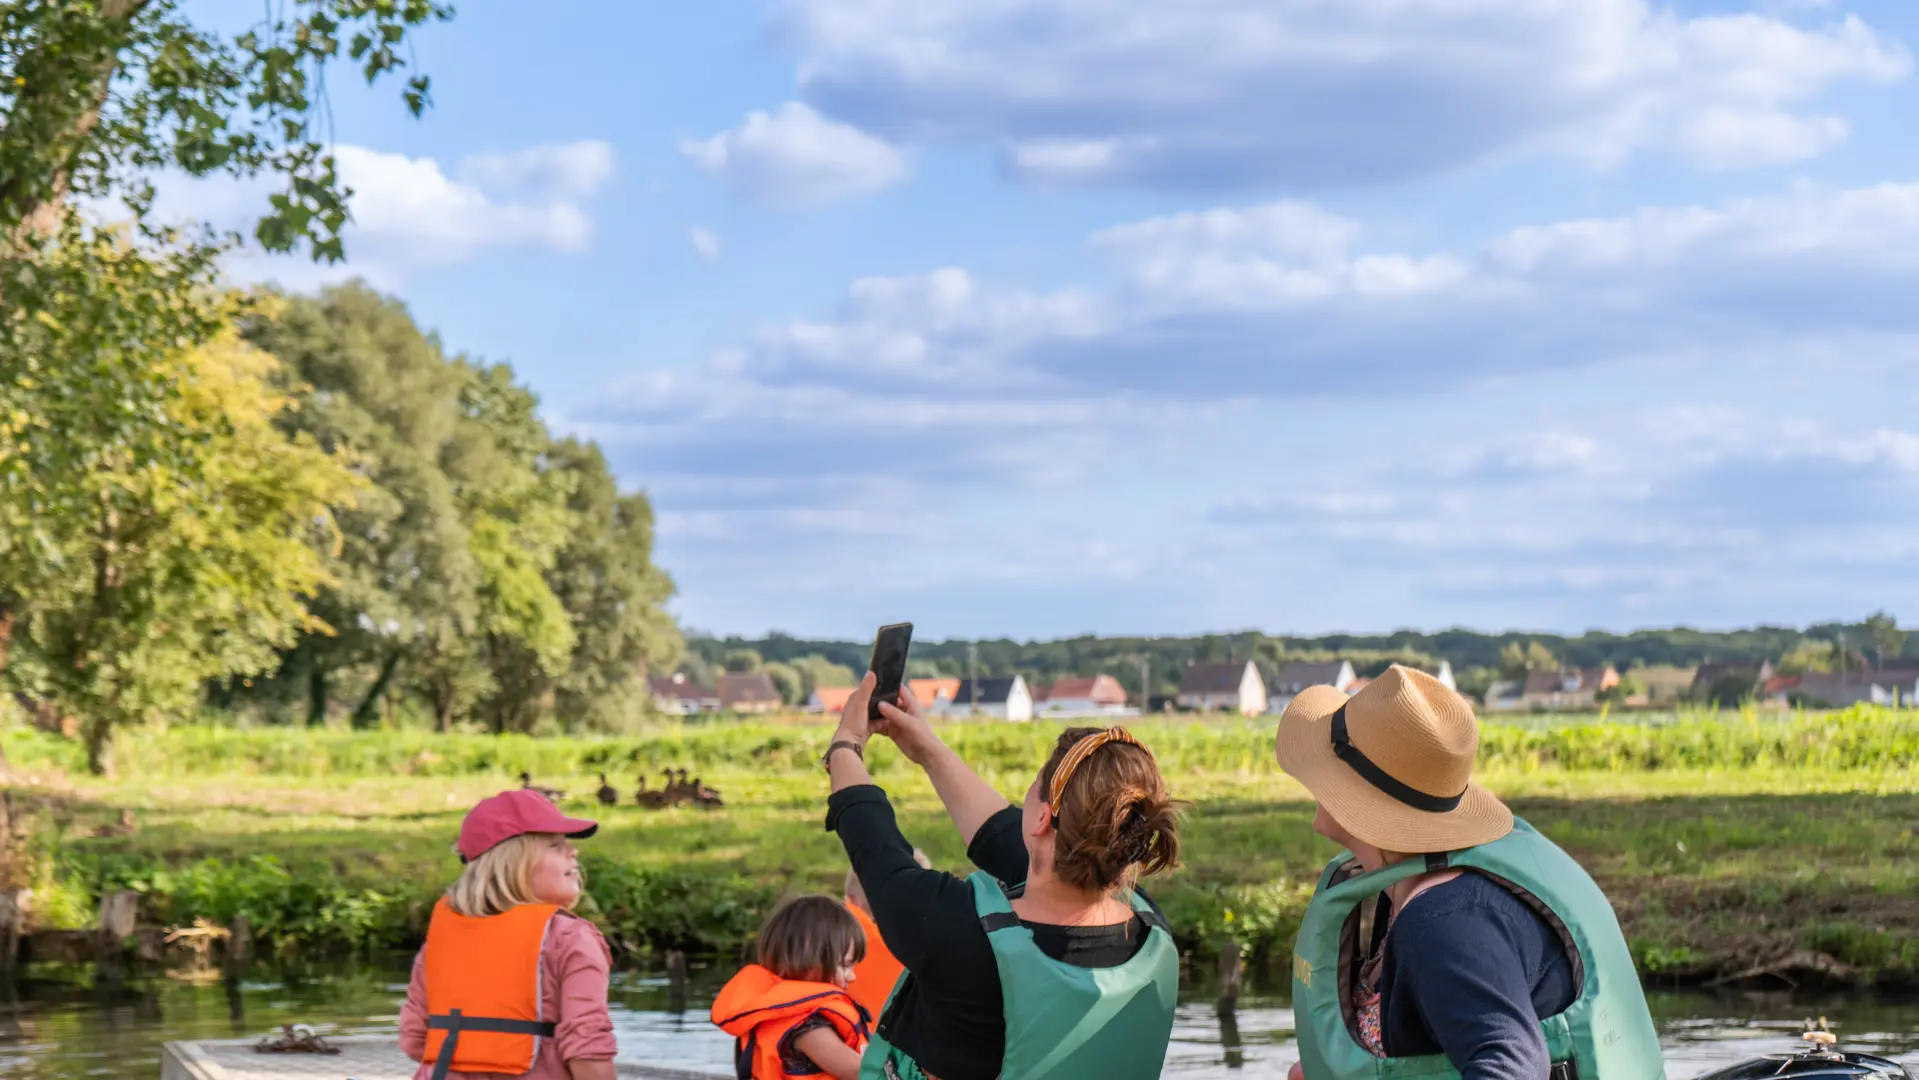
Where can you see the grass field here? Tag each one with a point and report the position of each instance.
(1728, 843)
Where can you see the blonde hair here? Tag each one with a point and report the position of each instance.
(501, 879)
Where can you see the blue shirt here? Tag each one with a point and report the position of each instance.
(1470, 970)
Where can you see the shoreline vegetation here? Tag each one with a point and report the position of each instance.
(1736, 847)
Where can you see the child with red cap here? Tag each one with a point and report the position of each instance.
(511, 982)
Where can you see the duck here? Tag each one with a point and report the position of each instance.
(707, 797)
(649, 800)
(608, 794)
(552, 795)
(126, 827)
(676, 792)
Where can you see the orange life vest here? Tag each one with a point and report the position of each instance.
(759, 1009)
(875, 976)
(483, 998)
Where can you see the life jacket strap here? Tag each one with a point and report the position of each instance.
(454, 1021)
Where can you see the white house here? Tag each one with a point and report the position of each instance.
(1001, 698)
(1297, 675)
(1232, 687)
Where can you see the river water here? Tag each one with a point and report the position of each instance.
(54, 1028)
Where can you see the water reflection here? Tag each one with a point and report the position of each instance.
(65, 1027)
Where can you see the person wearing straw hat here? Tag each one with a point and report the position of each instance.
(1047, 963)
(1491, 954)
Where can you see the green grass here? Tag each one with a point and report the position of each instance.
(1726, 842)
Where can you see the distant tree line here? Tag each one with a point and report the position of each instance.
(1478, 659)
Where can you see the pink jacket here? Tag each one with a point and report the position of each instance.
(573, 984)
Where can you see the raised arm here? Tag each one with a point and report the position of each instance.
(969, 800)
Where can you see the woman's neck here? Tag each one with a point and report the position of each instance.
(1047, 899)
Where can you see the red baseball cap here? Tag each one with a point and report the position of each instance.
(515, 813)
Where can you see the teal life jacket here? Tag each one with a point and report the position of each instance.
(1064, 1022)
(1606, 1034)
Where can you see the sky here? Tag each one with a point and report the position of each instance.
(1034, 318)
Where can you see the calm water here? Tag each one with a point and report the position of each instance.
(63, 1029)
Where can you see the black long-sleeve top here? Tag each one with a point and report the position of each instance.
(950, 1015)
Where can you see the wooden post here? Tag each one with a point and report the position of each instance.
(119, 915)
(1230, 972)
(13, 918)
(239, 945)
(675, 980)
(1227, 1007)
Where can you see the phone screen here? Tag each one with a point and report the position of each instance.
(889, 664)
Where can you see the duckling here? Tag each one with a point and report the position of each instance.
(609, 795)
(649, 800)
(705, 796)
(552, 795)
(126, 827)
(676, 792)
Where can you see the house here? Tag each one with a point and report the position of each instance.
(829, 699)
(1729, 678)
(678, 695)
(931, 692)
(1101, 695)
(1838, 689)
(1005, 698)
(1232, 687)
(1297, 675)
(749, 692)
(1574, 689)
(1444, 673)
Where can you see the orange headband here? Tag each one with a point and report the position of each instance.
(1082, 750)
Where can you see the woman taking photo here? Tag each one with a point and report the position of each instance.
(1046, 963)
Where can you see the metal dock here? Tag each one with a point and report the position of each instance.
(361, 1057)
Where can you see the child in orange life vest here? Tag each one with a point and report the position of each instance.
(511, 982)
(875, 977)
(790, 1014)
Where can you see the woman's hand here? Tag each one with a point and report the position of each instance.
(853, 723)
(906, 725)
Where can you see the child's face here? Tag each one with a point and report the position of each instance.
(555, 878)
(843, 978)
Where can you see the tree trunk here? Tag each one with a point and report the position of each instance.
(7, 617)
(366, 715)
(443, 702)
(99, 736)
(316, 692)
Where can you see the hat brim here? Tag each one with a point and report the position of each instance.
(1304, 747)
(578, 828)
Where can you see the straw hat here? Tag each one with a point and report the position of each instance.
(1393, 763)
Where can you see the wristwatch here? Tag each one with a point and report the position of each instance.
(826, 759)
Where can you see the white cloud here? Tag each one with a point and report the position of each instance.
(1685, 413)
(1310, 94)
(567, 170)
(706, 243)
(409, 214)
(794, 157)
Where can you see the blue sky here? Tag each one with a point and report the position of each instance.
(1043, 317)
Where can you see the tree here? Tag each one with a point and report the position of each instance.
(1515, 662)
(90, 333)
(816, 671)
(195, 565)
(787, 681)
(1886, 637)
(1810, 656)
(96, 95)
(406, 582)
(741, 661)
(612, 593)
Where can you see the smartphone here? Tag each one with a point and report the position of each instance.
(888, 665)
